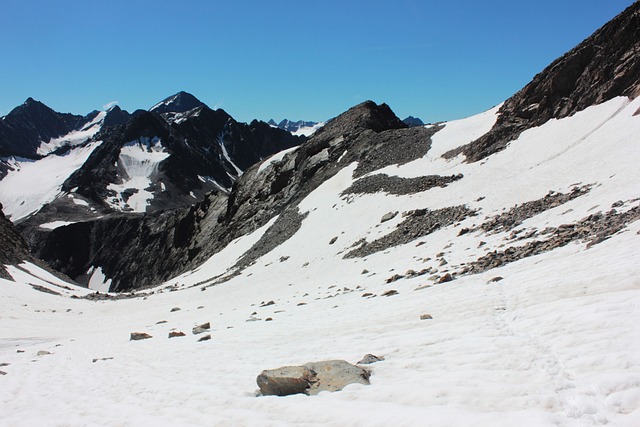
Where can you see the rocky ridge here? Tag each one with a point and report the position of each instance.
(602, 67)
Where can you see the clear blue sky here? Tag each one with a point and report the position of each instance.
(438, 60)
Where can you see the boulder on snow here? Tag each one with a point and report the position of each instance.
(388, 216)
(311, 378)
(205, 327)
(136, 336)
(369, 359)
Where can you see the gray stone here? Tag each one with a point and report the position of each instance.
(446, 278)
(311, 378)
(285, 381)
(205, 327)
(136, 336)
(205, 338)
(389, 293)
(175, 309)
(369, 359)
(426, 317)
(388, 216)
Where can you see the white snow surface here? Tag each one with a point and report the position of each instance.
(138, 162)
(75, 137)
(275, 158)
(55, 224)
(31, 183)
(555, 343)
(308, 130)
(98, 281)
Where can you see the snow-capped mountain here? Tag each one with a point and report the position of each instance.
(493, 262)
(112, 161)
(300, 127)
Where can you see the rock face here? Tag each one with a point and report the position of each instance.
(13, 248)
(311, 378)
(602, 67)
(139, 251)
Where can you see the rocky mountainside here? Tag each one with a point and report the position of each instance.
(204, 154)
(605, 65)
(114, 161)
(13, 249)
(188, 236)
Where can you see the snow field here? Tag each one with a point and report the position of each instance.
(555, 342)
(33, 183)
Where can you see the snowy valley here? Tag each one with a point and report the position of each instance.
(498, 277)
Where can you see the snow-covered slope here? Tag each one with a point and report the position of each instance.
(548, 339)
(32, 183)
(75, 137)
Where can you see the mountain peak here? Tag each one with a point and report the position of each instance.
(364, 116)
(181, 102)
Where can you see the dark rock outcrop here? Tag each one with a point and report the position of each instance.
(397, 185)
(13, 249)
(417, 223)
(602, 67)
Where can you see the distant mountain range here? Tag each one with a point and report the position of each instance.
(113, 161)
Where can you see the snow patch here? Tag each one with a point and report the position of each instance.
(275, 158)
(138, 162)
(308, 130)
(55, 224)
(98, 281)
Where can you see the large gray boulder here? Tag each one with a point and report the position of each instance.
(311, 378)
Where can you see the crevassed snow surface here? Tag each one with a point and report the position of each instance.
(31, 183)
(75, 137)
(138, 162)
(555, 343)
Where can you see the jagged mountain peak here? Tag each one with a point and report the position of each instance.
(364, 116)
(413, 121)
(181, 102)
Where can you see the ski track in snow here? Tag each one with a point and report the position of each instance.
(555, 343)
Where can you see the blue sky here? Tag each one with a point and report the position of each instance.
(286, 59)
